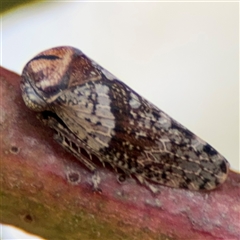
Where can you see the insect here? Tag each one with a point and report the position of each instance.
(96, 116)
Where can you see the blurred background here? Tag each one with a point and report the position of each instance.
(182, 56)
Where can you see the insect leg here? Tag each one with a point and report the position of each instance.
(147, 184)
(67, 144)
(76, 151)
(68, 141)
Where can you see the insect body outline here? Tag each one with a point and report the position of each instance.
(97, 116)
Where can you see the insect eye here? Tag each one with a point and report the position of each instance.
(52, 90)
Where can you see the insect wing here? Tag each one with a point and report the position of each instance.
(124, 129)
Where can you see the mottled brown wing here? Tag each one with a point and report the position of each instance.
(122, 128)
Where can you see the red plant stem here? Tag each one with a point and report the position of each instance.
(46, 191)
